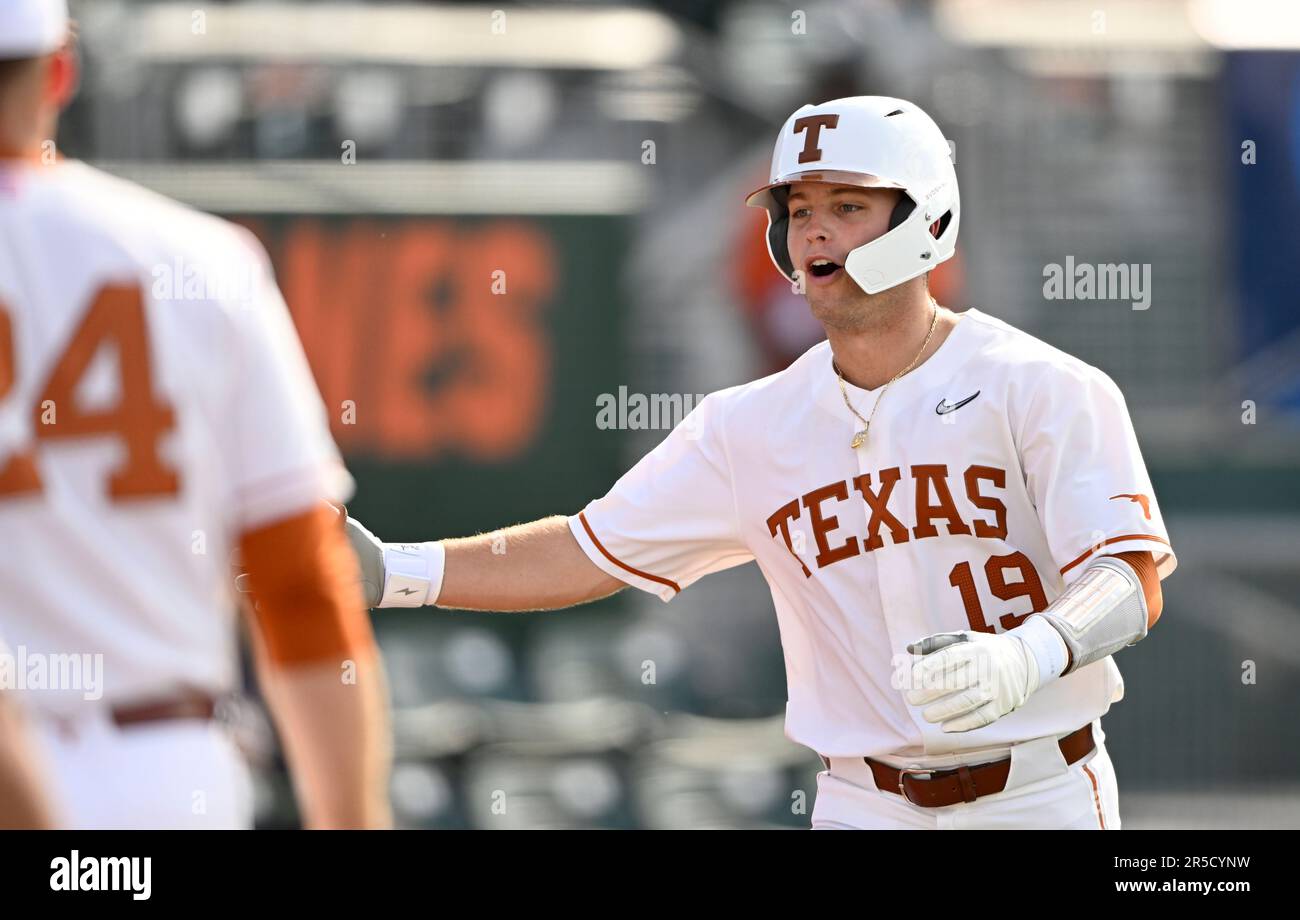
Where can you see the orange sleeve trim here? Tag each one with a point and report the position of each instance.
(1144, 564)
(582, 516)
(306, 589)
(1127, 536)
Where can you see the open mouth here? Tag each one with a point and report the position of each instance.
(823, 268)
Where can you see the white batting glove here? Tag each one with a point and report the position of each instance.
(395, 574)
(967, 680)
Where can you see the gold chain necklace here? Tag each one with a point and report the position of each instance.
(861, 437)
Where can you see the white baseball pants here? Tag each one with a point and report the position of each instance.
(169, 774)
(1042, 792)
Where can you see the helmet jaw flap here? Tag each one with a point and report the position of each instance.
(908, 249)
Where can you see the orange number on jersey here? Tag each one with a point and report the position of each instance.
(1030, 585)
(18, 474)
(139, 419)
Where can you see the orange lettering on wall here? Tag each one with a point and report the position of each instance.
(500, 393)
(329, 283)
(413, 419)
(402, 319)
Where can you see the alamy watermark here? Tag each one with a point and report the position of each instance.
(1098, 281)
(640, 411)
(24, 670)
(75, 872)
(236, 281)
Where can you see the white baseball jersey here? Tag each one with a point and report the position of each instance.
(992, 474)
(154, 404)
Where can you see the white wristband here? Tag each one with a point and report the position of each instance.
(1046, 645)
(412, 574)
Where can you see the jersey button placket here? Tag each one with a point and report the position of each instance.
(870, 458)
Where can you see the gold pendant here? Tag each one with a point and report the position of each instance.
(859, 439)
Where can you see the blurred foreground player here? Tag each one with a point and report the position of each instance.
(23, 800)
(148, 428)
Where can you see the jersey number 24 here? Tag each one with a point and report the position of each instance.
(138, 420)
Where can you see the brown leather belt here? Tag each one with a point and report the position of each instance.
(190, 706)
(965, 784)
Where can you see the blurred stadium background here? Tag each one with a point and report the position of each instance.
(393, 156)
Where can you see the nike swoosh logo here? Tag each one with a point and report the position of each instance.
(943, 408)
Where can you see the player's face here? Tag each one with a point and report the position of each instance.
(827, 222)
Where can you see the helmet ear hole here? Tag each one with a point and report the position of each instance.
(944, 221)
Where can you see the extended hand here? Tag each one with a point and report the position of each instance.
(394, 574)
(370, 556)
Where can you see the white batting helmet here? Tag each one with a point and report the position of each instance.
(30, 28)
(873, 142)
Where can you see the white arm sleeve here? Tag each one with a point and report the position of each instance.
(671, 519)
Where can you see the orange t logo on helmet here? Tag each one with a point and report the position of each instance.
(813, 124)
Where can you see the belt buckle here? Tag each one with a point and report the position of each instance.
(903, 773)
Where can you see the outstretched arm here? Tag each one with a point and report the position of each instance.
(534, 566)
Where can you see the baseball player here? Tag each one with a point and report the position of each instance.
(954, 517)
(156, 412)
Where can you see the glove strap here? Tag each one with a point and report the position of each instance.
(1046, 646)
(412, 574)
